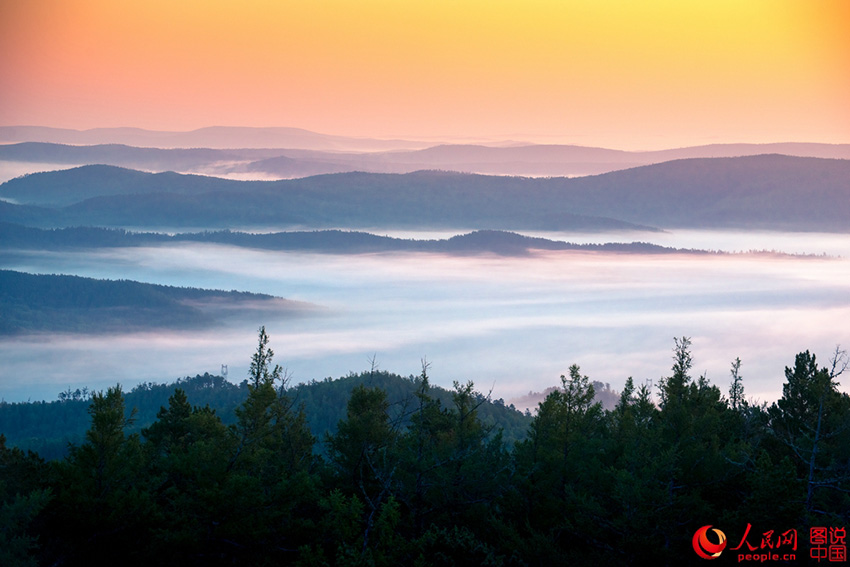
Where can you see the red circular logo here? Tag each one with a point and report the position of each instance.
(705, 548)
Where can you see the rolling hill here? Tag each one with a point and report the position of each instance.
(48, 427)
(501, 243)
(772, 192)
(58, 303)
(303, 159)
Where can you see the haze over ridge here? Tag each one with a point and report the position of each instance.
(269, 153)
(764, 191)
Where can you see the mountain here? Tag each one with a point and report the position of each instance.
(326, 241)
(220, 137)
(350, 200)
(771, 192)
(798, 149)
(244, 162)
(69, 186)
(567, 160)
(298, 160)
(30, 215)
(143, 158)
(55, 303)
(525, 160)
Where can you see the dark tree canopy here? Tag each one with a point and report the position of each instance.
(412, 475)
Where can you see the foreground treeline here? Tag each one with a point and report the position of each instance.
(50, 428)
(420, 482)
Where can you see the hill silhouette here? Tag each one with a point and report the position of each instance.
(58, 303)
(287, 153)
(763, 192)
(48, 427)
(321, 241)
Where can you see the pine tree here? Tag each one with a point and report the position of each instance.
(23, 496)
(736, 389)
(271, 470)
(104, 496)
(187, 449)
(812, 420)
(561, 475)
(365, 455)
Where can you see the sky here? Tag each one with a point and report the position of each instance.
(622, 74)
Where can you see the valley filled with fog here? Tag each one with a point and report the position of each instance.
(511, 324)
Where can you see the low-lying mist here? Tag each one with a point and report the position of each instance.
(509, 324)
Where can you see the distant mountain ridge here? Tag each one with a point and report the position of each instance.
(771, 192)
(70, 186)
(284, 153)
(325, 241)
(349, 200)
(218, 137)
(152, 159)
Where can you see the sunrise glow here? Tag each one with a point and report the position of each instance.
(620, 74)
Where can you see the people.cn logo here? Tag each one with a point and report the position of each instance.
(705, 548)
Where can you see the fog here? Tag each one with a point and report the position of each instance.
(12, 169)
(225, 169)
(509, 324)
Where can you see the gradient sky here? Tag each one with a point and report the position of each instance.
(623, 74)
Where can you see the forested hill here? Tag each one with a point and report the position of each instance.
(59, 303)
(502, 243)
(109, 196)
(48, 427)
(764, 192)
(69, 186)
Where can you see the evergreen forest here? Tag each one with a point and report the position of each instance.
(415, 475)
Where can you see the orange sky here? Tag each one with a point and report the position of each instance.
(625, 74)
